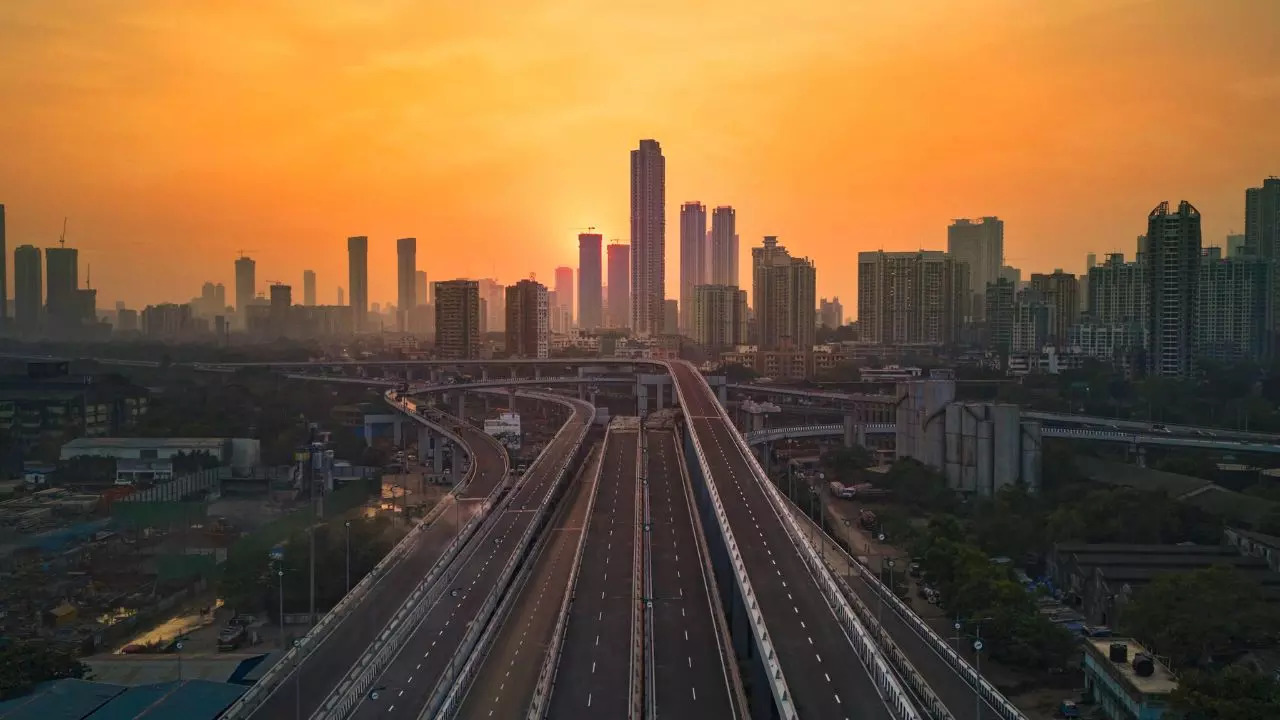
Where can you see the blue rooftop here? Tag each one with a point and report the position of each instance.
(83, 700)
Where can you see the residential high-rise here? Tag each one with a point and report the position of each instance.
(28, 288)
(1060, 292)
(421, 288)
(784, 291)
(1173, 289)
(980, 245)
(246, 284)
(719, 316)
(1000, 312)
(358, 280)
(564, 290)
(1262, 240)
(648, 237)
(1118, 293)
(1233, 307)
(457, 319)
(528, 332)
(619, 286)
(830, 313)
(724, 247)
(281, 306)
(62, 273)
(590, 278)
(309, 288)
(4, 274)
(670, 314)
(693, 259)
(406, 267)
(910, 298)
(1235, 246)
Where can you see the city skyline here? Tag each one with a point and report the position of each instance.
(1099, 160)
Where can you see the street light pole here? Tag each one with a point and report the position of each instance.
(297, 682)
(280, 578)
(348, 525)
(977, 670)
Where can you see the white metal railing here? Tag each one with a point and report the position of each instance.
(444, 686)
(646, 609)
(538, 704)
(768, 653)
(266, 686)
(640, 645)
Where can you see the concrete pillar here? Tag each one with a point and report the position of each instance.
(455, 470)
(368, 433)
(511, 399)
(723, 392)
(398, 430)
(537, 373)
(424, 442)
(462, 404)
(486, 405)
(757, 421)
(582, 391)
(766, 456)
(658, 387)
(484, 373)
(593, 399)
(1142, 456)
(642, 399)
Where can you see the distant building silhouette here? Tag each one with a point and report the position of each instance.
(358, 281)
(648, 237)
(590, 279)
(693, 259)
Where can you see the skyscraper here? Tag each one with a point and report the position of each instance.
(280, 309)
(406, 266)
(493, 298)
(1233, 306)
(1262, 240)
(528, 332)
(670, 314)
(980, 245)
(648, 237)
(619, 285)
(1060, 292)
(564, 290)
(421, 288)
(28, 282)
(693, 259)
(784, 290)
(4, 275)
(1172, 262)
(589, 280)
(342, 298)
(358, 280)
(309, 288)
(719, 316)
(457, 319)
(62, 306)
(246, 284)
(724, 247)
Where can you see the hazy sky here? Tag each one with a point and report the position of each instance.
(176, 133)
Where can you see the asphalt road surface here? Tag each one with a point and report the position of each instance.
(407, 682)
(689, 675)
(593, 678)
(508, 675)
(824, 674)
(326, 667)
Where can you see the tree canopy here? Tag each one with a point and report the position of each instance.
(1235, 693)
(25, 664)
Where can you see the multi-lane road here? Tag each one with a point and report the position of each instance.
(690, 678)
(329, 663)
(505, 682)
(595, 673)
(823, 672)
(406, 685)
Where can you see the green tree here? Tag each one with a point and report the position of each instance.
(1196, 616)
(736, 373)
(843, 462)
(1235, 693)
(23, 664)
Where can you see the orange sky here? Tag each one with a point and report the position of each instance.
(175, 133)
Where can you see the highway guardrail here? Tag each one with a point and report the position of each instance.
(539, 704)
(768, 654)
(643, 690)
(444, 685)
(271, 680)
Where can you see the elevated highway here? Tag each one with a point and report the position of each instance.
(418, 676)
(332, 656)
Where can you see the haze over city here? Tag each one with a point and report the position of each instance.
(175, 136)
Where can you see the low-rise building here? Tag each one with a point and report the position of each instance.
(1126, 681)
(240, 454)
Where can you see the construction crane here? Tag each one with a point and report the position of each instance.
(62, 239)
(589, 228)
(242, 252)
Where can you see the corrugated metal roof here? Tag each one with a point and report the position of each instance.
(185, 700)
(72, 699)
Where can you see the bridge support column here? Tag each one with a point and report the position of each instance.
(462, 405)
(455, 468)
(486, 405)
(484, 374)
(398, 431)
(582, 391)
(437, 454)
(424, 443)
(1142, 456)
(659, 388)
(756, 421)
(642, 399)
(537, 373)
(593, 399)
(766, 455)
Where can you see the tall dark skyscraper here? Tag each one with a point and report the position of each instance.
(458, 319)
(358, 280)
(723, 263)
(648, 237)
(406, 266)
(4, 275)
(590, 278)
(61, 302)
(1172, 265)
(28, 288)
(619, 285)
(528, 331)
(693, 259)
(1262, 240)
(309, 288)
(246, 284)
